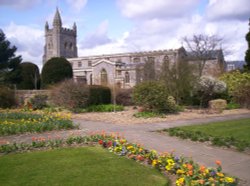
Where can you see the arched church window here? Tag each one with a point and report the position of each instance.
(65, 45)
(104, 77)
(71, 46)
(136, 60)
(127, 78)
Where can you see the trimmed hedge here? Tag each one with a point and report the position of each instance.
(56, 70)
(99, 95)
(7, 97)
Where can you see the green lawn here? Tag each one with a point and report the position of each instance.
(227, 133)
(75, 166)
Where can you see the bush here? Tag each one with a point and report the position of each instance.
(124, 97)
(39, 101)
(99, 95)
(55, 70)
(30, 76)
(105, 108)
(238, 87)
(153, 96)
(7, 97)
(70, 95)
(210, 88)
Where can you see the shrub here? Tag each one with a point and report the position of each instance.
(238, 87)
(209, 88)
(70, 95)
(7, 97)
(39, 101)
(99, 95)
(105, 108)
(124, 97)
(30, 76)
(55, 70)
(153, 96)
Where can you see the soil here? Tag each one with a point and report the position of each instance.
(126, 117)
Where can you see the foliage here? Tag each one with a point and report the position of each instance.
(70, 94)
(104, 108)
(233, 105)
(149, 70)
(238, 86)
(30, 76)
(208, 87)
(247, 56)
(228, 133)
(179, 79)
(39, 101)
(202, 48)
(17, 123)
(99, 95)
(153, 96)
(7, 97)
(124, 97)
(56, 70)
(187, 172)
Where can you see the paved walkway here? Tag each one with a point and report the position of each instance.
(234, 163)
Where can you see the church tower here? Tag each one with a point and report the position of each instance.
(59, 41)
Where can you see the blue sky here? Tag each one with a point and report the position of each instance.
(111, 26)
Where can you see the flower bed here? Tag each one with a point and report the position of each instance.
(187, 172)
(21, 122)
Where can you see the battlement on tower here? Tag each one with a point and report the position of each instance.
(68, 31)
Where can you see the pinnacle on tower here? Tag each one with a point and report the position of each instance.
(57, 22)
(46, 25)
(74, 26)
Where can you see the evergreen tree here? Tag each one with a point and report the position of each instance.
(10, 72)
(247, 56)
(30, 76)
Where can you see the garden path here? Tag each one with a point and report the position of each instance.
(233, 162)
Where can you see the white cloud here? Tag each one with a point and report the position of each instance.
(98, 37)
(28, 40)
(20, 4)
(77, 5)
(148, 9)
(228, 9)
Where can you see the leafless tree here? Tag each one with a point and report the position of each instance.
(202, 48)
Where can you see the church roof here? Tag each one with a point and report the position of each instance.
(57, 19)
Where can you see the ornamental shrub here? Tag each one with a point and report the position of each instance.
(238, 87)
(209, 88)
(70, 94)
(7, 97)
(124, 97)
(99, 95)
(153, 96)
(56, 70)
(39, 101)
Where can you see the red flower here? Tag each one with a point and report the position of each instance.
(100, 142)
(218, 163)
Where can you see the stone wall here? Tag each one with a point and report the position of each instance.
(22, 96)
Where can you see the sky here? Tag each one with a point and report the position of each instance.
(116, 26)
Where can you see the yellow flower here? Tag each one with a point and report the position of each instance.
(229, 179)
(220, 174)
(180, 171)
(180, 182)
(154, 162)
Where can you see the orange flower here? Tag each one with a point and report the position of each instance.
(201, 182)
(202, 168)
(189, 166)
(190, 173)
(218, 163)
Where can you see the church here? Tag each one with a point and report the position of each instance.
(123, 69)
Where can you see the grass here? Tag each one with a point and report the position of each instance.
(226, 133)
(75, 166)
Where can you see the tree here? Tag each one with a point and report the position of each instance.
(202, 48)
(247, 56)
(30, 76)
(9, 63)
(149, 70)
(55, 70)
(179, 79)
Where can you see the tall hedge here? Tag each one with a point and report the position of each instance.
(30, 76)
(99, 95)
(7, 97)
(56, 70)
